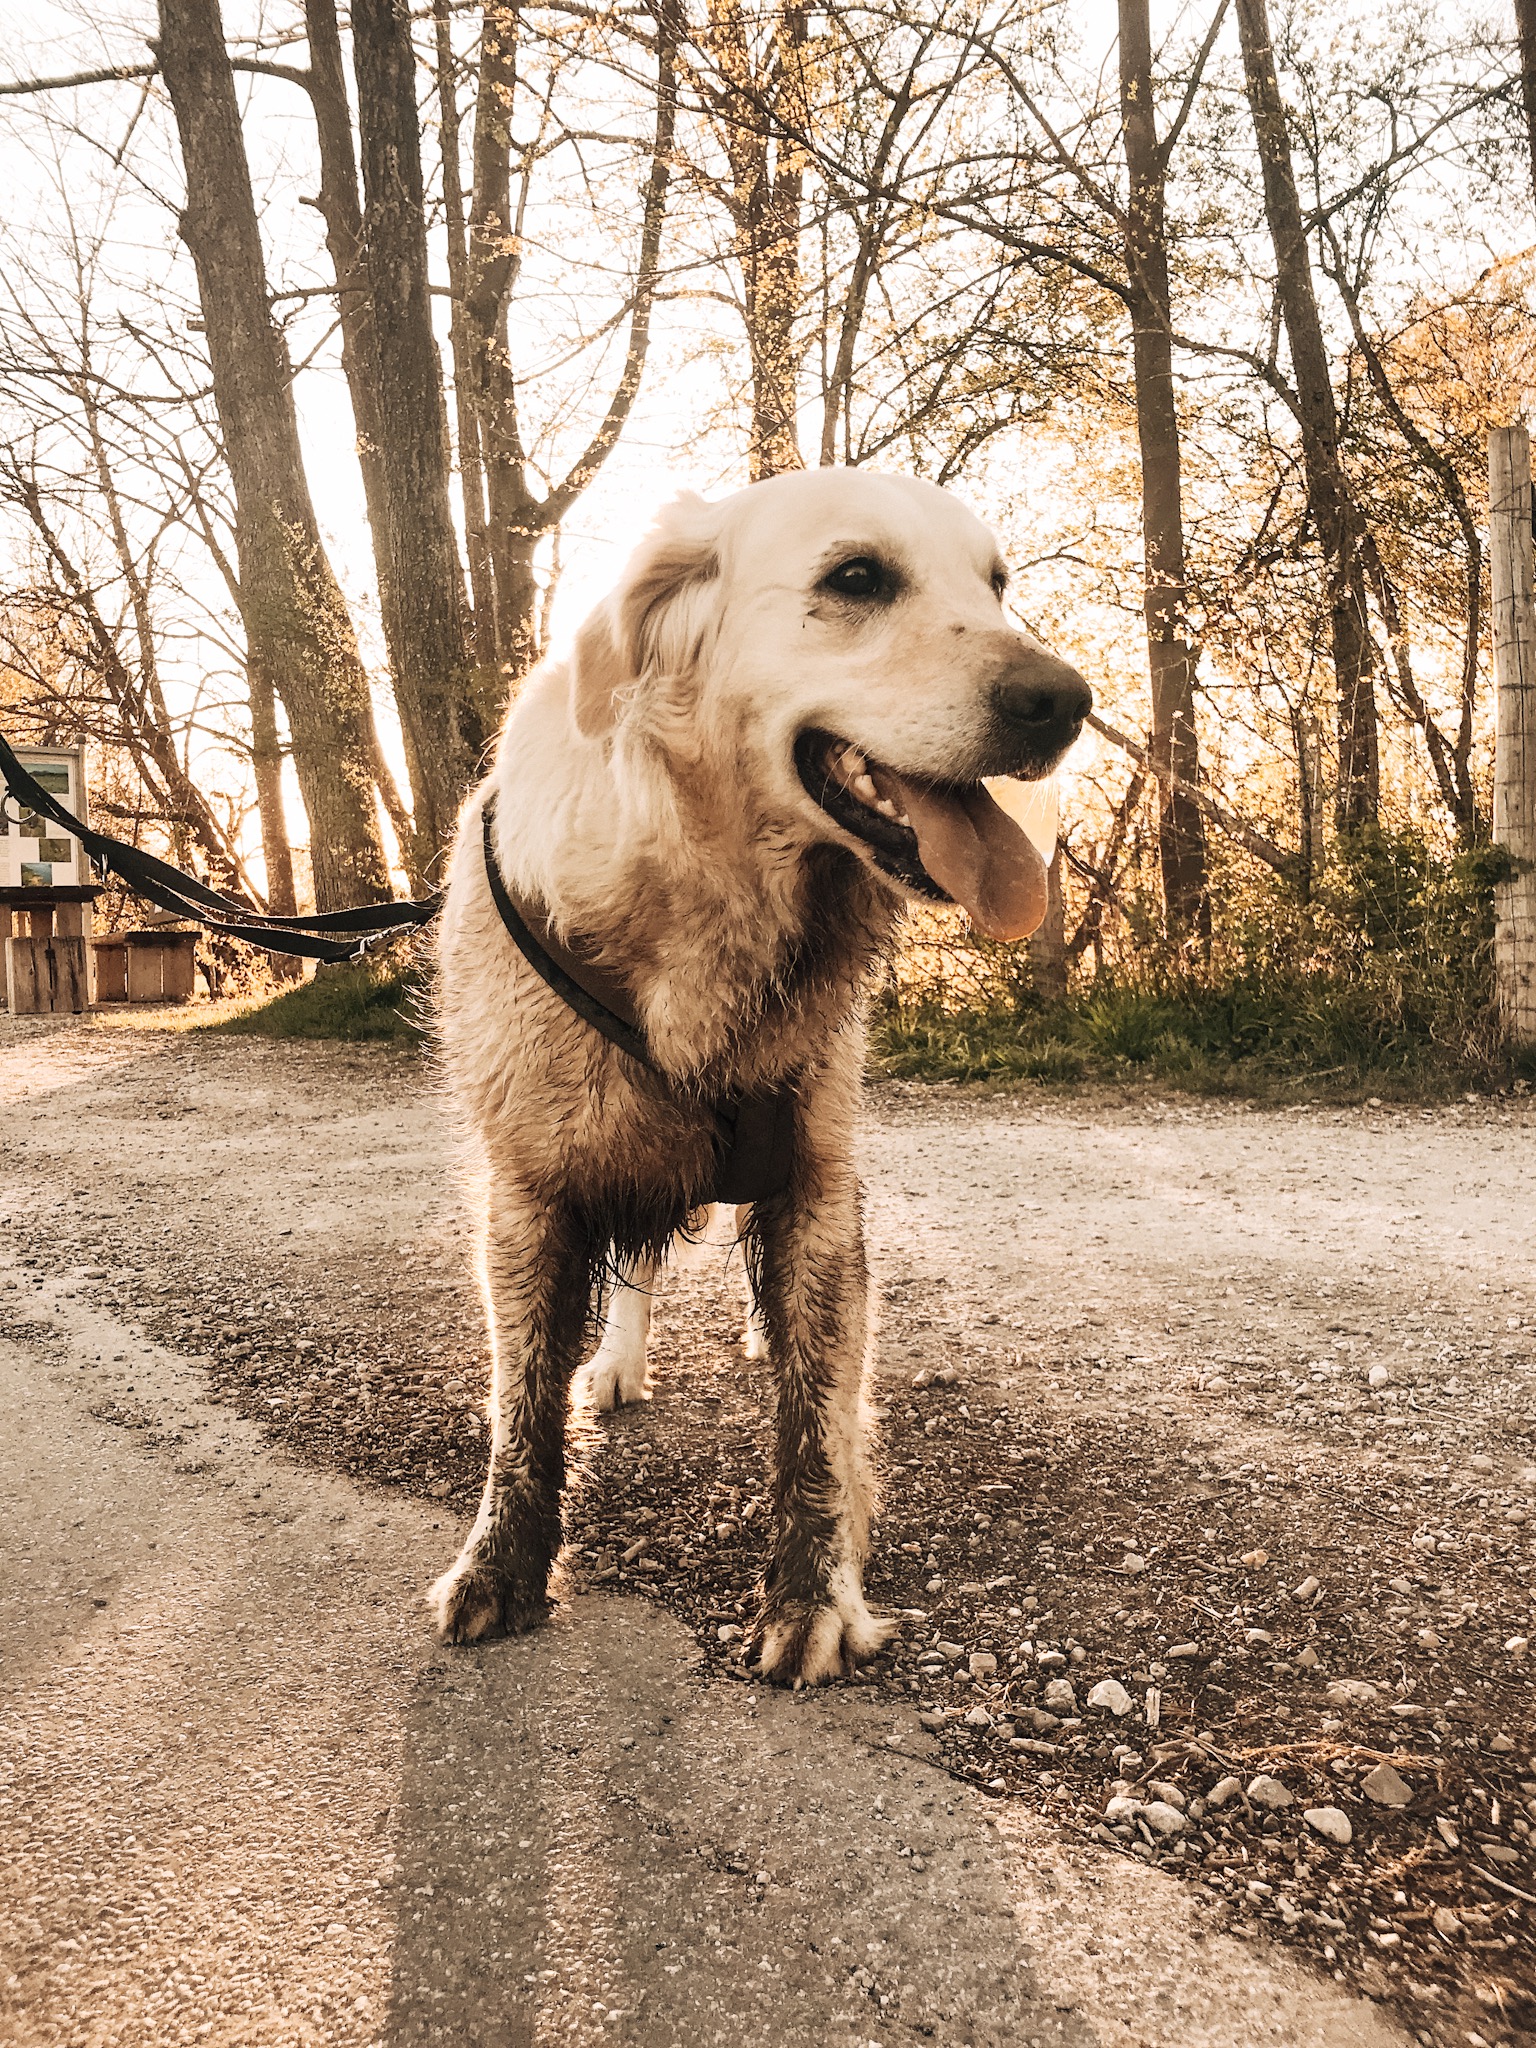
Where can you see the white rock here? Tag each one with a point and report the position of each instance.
(1446, 1924)
(1257, 1637)
(1518, 1645)
(1059, 1698)
(1330, 1823)
(1268, 1792)
(978, 1717)
(982, 1664)
(1386, 1786)
(1111, 1697)
(1223, 1790)
(1170, 1794)
(1307, 1590)
(1378, 1376)
(1162, 1818)
(1133, 1563)
(1351, 1692)
(1122, 1807)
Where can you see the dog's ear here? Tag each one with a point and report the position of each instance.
(656, 622)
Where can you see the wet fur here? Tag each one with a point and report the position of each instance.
(645, 793)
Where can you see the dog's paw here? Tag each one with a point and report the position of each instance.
(754, 1342)
(811, 1642)
(615, 1377)
(474, 1601)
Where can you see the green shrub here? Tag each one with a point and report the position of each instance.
(379, 1000)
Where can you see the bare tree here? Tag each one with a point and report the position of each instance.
(1332, 504)
(297, 627)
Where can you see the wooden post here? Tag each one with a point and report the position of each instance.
(1514, 770)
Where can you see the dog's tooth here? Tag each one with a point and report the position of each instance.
(903, 819)
(854, 761)
(885, 807)
(864, 785)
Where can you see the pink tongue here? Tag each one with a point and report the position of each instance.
(974, 851)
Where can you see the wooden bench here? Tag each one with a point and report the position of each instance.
(155, 965)
(42, 931)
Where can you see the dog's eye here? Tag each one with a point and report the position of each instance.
(860, 576)
(1000, 583)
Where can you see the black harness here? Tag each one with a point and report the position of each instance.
(754, 1134)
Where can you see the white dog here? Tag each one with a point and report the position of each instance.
(665, 905)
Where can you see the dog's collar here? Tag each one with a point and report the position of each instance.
(754, 1134)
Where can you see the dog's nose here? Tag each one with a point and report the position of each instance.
(1042, 701)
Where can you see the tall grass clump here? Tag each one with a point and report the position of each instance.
(1383, 978)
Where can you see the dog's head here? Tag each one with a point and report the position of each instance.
(840, 636)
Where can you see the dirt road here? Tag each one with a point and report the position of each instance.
(244, 1799)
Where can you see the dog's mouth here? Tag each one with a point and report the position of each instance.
(946, 840)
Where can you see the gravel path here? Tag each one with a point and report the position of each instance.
(243, 1797)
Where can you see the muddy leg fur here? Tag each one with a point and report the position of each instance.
(812, 1293)
(539, 1264)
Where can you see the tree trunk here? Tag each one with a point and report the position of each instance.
(1175, 744)
(757, 115)
(267, 766)
(1525, 23)
(1333, 509)
(299, 637)
(516, 518)
(422, 589)
(482, 581)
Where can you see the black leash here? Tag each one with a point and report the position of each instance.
(754, 1134)
(184, 896)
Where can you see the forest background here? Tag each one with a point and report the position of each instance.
(341, 356)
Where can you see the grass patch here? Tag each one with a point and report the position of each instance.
(378, 1002)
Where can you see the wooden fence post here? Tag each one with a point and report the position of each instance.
(1514, 771)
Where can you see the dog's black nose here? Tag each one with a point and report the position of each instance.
(1041, 702)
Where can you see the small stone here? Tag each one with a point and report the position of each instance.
(1133, 1563)
(1351, 1692)
(1059, 1698)
(923, 1378)
(1500, 1744)
(1268, 1792)
(1307, 1659)
(983, 1664)
(1481, 1463)
(1386, 1786)
(1223, 1790)
(1162, 1818)
(933, 1720)
(947, 1376)
(1446, 1924)
(1307, 1590)
(933, 1586)
(1111, 1697)
(1447, 1832)
(953, 1651)
(1169, 1793)
(1427, 1639)
(1122, 1807)
(1378, 1376)
(1255, 1557)
(1518, 1645)
(439, 1489)
(1051, 1660)
(1500, 1852)
(1185, 1650)
(1255, 1638)
(978, 1717)
(1330, 1823)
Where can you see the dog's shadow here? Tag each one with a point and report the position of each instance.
(594, 1845)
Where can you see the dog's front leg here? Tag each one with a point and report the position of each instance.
(813, 1300)
(538, 1275)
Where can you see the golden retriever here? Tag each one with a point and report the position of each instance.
(771, 737)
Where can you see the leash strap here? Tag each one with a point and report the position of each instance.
(754, 1134)
(185, 896)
